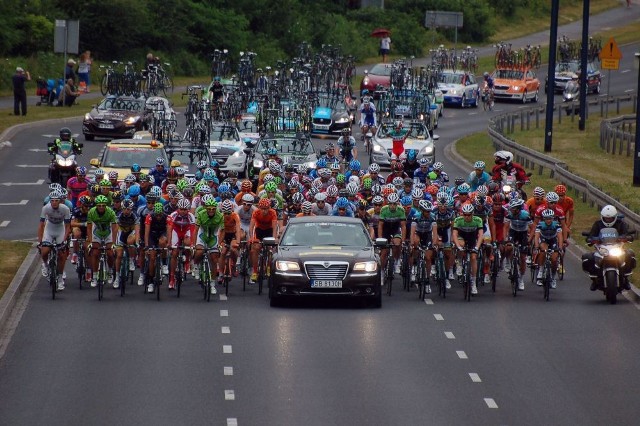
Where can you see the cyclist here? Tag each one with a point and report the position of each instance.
(342, 208)
(245, 212)
(411, 162)
(79, 224)
(320, 207)
(209, 222)
(101, 229)
(77, 184)
(483, 208)
(180, 228)
(305, 210)
(55, 219)
(155, 237)
(142, 213)
(566, 203)
(443, 216)
(421, 174)
(392, 226)
(347, 145)
(441, 177)
(230, 233)
(160, 172)
(478, 176)
(467, 233)
(552, 203)
(421, 237)
(517, 226)
(488, 84)
(264, 223)
(216, 90)
(548, 235)
(367, 118)
(128, 231)
(538, 200)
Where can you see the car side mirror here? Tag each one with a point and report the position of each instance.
(435, 137)
(94, 162)
(381, 242)
(269, 241)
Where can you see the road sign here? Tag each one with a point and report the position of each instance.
(610, 51)
(440, 19)
(66, 36)
(610, 64)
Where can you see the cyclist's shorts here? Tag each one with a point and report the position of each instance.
(551, 242)
(121, 239)
(521, 237)
(445, 236)
(154, 239)
(469, 242)
(108, 239)
(425, 238)
(49, 236)
(206, 242)
(369, 121)
(178, 237)
(228, 236)
(262, 233)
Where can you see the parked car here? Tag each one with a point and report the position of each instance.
(418, 139)
(379, 75)
(520, 84)
(567, 71)
(115, 117)
(459, 88)
(325, 256)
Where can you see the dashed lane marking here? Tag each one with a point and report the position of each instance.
(438, 317)
(38, 182)
(224, 313)
(5, 223)
(20, 203)
(225, 330)
(228, 371)
(232, 421)
(462, 355)
(629, 90)
(475, 378)
(428, 301)
(223, 297)
(229, 395)
(226, 349)
(624, 71)
(449, 335)
(490, 403)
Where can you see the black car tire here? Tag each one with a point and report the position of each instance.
(377, 299)
(89, 137)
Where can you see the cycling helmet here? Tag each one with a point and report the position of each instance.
(398, 167)
(421, 186)
(516, 203)
(271, 151)
(85, 200)
(224, 187)
(366, 183)
(172, 173)
(609, 215)
(180, 171)
(417, 194)
(486, 74)
(482, 191)
(342, 203)
(376, 189)
(307, 180)
(130, 178)
(320, 196)
(127, 204)
(388, 189)
(94, 188)
(406, 200)
(270, 187)
(248, 199)
(246, 185)
(302, 169)
(514, 195)
(275, 168)
(325, 173)
(54, 186)
(288, 168)
(157, 208)
(159, 161)
(184, 204)
(432, 175)
(335, 167)
(504, 156)
(432, 189)
(232, 174)
(538, 192)
(479, 165)
(209, 175)
(101, 199)
(155, 191)
(226, 207)
(297, 198)
(316, 184)
(493, 186)
(346, 131)
(374, 168)
(264, 203)
(393, 198)
(352, 189)
(55, 194)
(332, 191)
(277, 180)
(65, 134)
(135, 168)
(560, 189)
(342, 192)
(133, 191)
(467, 208)
(425, 205)
(548, 214)
(293, 184)
(213, 164)
(407, 181)
(463, 189)
(65, 193)
(424, 161)
(117, 196)
(113, 175)
(209, 201)
(306, 207)
(201, 164)
(377, 200)
(438, 166)
(411, 155)
(81, 171)
(397, 182)
(552, 197)
(499, 198)
(340, 178)
(355, 165)
(355, 180)
(321, 163)
(188, 192)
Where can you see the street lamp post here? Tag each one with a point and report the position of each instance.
(636, 154)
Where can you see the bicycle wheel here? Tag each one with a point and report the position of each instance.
(389, 274)
(179, 276)
(406, 270)
(124, 273)
(205, 279)
(466, 268)
(104, 85)
(261, 274)
(102, 277)
(561, 266)
(421, 278)
(53, 272)
(80, 269)
(495, 269)
(546, 283)
(515, 273)
(441, 276)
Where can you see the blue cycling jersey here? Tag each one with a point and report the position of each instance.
(368, 116)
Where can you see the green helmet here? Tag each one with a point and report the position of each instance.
(101, 199)
(271, 187)
(181, 185)
(277, 180)
(340, 178)
(367, 183)
(105, 182)
(157, 208)
(210, 202)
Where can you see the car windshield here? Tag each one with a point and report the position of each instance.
(381, 69)
(121, 104)
(326, 233)
(125, 156)
(189, 158)
(568, 67)
(416, 131)
(287, 146)
(451, 78)
(509, 74)
(223, 133)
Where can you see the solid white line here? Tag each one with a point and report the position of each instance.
(438, 317)
(225, 330)
(428, 301)
(629, 90)
(229, 395)
(490, 403)
(475, 378)
(624, 71)
(228, 371)
(20, 203)
(226, 349)
(232, 421)
(462, 355)
(449, 335)
(223, 297)
(5, 223)
(224, 313)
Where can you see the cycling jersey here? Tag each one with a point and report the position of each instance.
(421, 176)
(423, 224)
(549, 233)
(520, 222)
(468, 229)
(324, 211)
(391, 221)
(181, 223)
(55, 220)
(532, 205)
(79, 216)
(245, 217)
(566, 203)
(127, 223)
(209, 227)
(158, 227)
(102, 222)
(231, 222)
(475, 181)
(264, 221)
(368, 116)
(443, 222)
(75, 187)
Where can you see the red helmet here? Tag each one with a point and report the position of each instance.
(246, 185)
(264, 203)
(560, 189)
(172, 173)
(398, 167)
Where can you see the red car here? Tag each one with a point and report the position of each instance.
(379, 75)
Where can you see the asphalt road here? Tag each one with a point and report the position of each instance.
(496, 360)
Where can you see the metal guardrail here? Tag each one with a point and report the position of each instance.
(618, 134)
(529, 158)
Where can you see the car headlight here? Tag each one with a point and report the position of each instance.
(258, 164)
(377, 148)
(370, 266)
(285, 265)
(616, 252)
(132, 120)
(516, 88)
(342, 120)
(365, 81)
(87, 116)
(236, 154)
(453, 91)
(428, 150)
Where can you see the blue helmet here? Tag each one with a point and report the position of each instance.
(412, 154)
(134, 190)
(272, 151)
(342, 203)
(213, 163)
(224, 188)
(355, 165)
(135, 168)
(406, 200)
(321, 163)
(209, 174)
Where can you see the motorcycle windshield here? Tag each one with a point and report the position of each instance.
(65, 149)
(608, 236)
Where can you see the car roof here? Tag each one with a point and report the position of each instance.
(137, 142)
(324, 218)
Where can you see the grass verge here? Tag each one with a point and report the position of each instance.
(12, 253)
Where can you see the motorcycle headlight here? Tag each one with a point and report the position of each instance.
(64, 162)
(258, 164)
(506, 189)
(284, 266)
(370, 266)
(616, 252)
(132, 120)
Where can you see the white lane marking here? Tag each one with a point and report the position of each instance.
(428, 301)
(38, 182)
(228, 371)
(629, 90)
(471, 113)
(232, 421)
(224, 313)
(39, 166)
(229, 395)
(226, 349)
(223, 297)
(20, 203)
(462, 355)
(624, 71)
(5, 223)
(449, 335)
(475, 378)
(438, 317)
(225, 330)
(490, 403)
(38, 149)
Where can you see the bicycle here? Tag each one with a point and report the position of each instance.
(441, 273)
(180, 273)
(495, 266)
(465, 278)
(157, 272)
(125, 274)
(547, 273)
(514, 275)
(422, 274)
(243, 263)
(52, 264)
(406, 268)
(263, 265)
(206, 278)
(81, 263)
(227, 271)
(103, 270)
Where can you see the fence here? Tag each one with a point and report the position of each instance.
(618, 135)
(503, 124)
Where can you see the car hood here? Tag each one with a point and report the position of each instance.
(322, 112)
(113, 114)
(508, 82)
(409, 143)
(224, 146)
(450, 86)
(324, 253)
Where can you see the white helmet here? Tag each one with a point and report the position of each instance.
(504, 155)
(609, 215)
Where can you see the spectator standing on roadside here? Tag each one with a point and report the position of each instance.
(84, 70)
(19, 91)
(69, 73)
(385, 45)
(70, 94)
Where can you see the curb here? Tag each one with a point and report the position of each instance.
(454, 156)
(23, 276)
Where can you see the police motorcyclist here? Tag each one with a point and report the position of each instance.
(609, 218)
(65, 136)
(506, 167)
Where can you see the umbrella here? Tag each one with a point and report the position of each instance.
(380, 32)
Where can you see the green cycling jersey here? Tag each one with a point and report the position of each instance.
(102, 222)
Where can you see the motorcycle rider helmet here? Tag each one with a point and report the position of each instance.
(65, 134)
(609, 215)
(548, 214)
(505, 156)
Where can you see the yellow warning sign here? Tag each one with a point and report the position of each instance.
(610, 64)
(610, 51)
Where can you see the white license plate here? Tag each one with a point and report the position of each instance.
(326, 284)
(105, 126)
(322, 126)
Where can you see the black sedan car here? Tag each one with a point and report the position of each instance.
(568, 71)
(115, 117)
(326, 256)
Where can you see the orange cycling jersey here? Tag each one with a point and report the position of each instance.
(532, 205)
(566, 203)
(264, 221)
(231, 222)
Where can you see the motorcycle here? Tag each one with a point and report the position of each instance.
(609, 257)
(63, 163)
(509, 184)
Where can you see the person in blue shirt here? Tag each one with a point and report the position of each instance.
(478, 176)
(342, 207)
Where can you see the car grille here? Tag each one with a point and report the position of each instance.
(326, 270)
(501, 87)
(322, 121)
